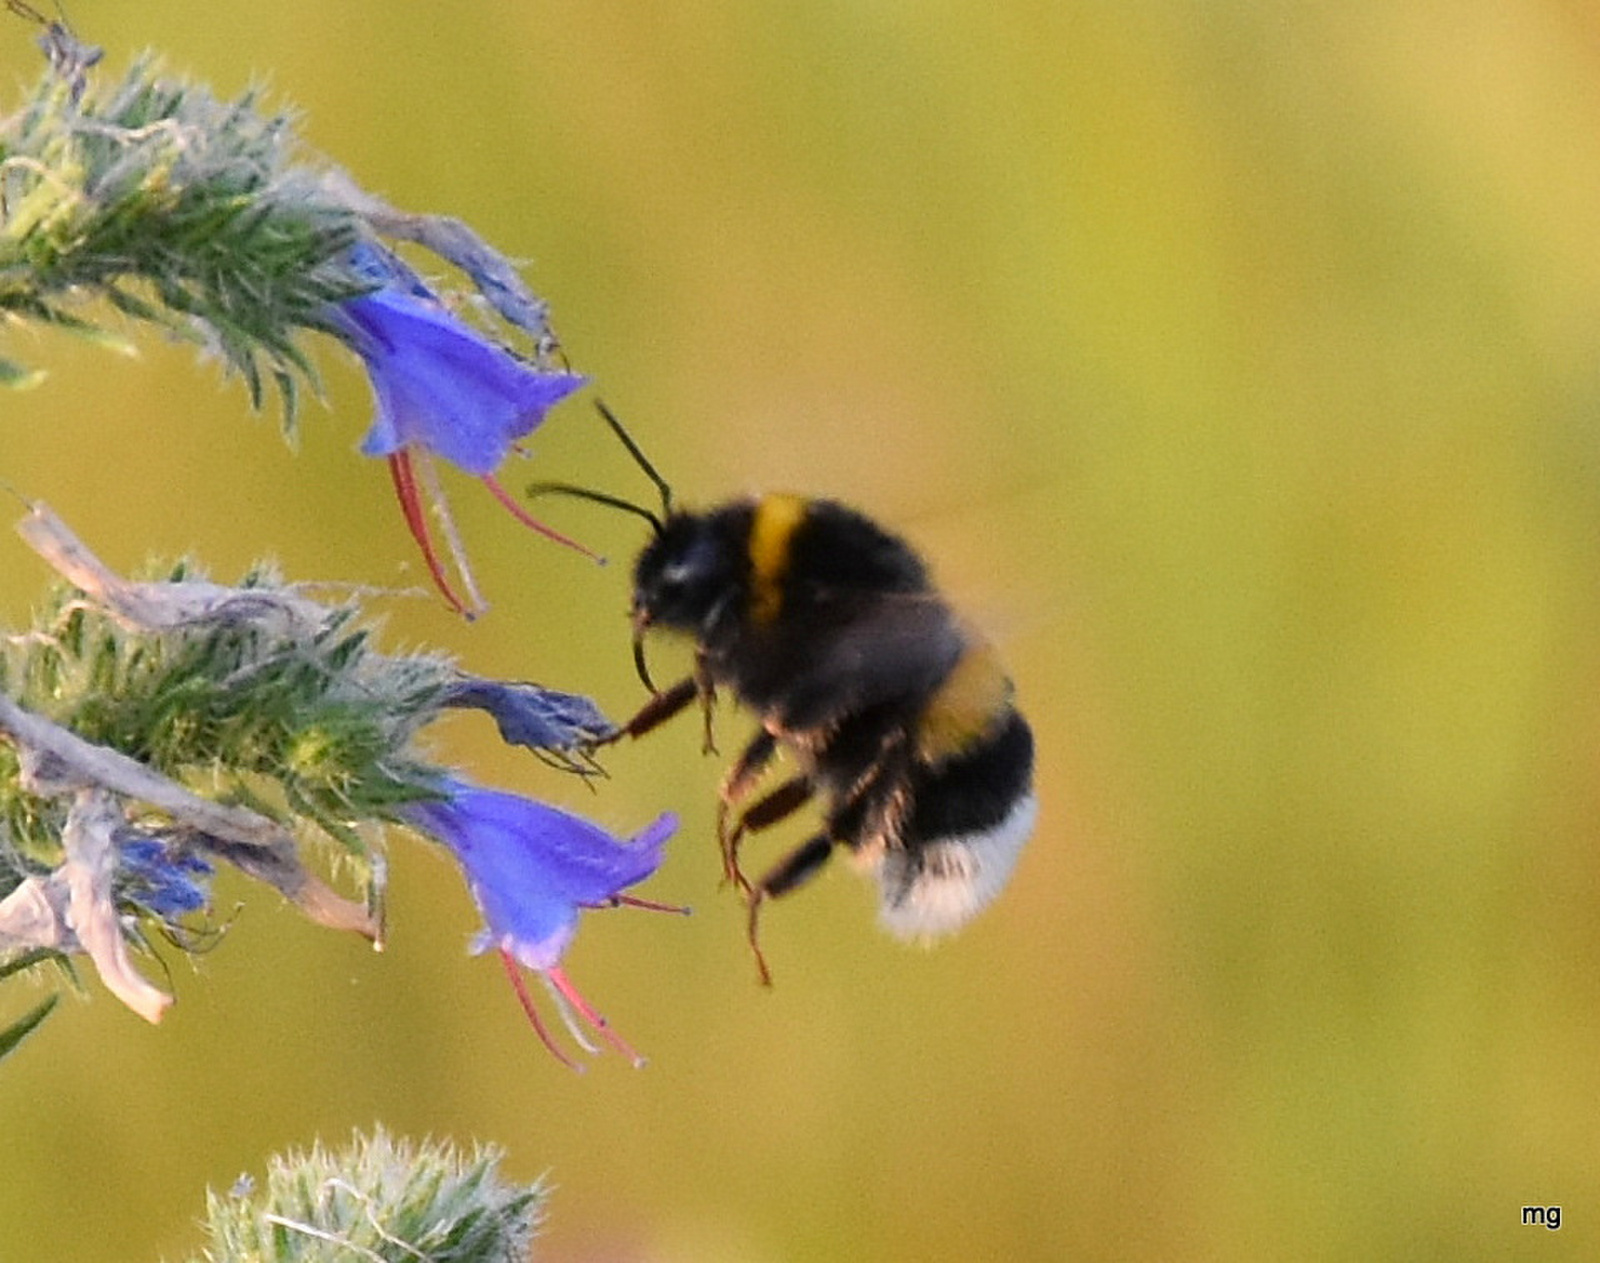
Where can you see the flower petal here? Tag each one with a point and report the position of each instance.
(443, 386)
(159, 875)
(531, 715)
(532, 868)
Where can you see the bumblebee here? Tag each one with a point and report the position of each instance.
(898, 715)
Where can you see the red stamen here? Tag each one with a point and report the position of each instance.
(405, 487)
(515, 974)
(633, 901)
(601, 1027)
(533, 523)
(428, 484)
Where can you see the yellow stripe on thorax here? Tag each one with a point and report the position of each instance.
(777, 517)
(964, 708)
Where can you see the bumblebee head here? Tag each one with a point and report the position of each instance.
(684, 575)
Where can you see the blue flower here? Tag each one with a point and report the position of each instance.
(559, 727)
(159, 875)
(443, 389)
(533, 869)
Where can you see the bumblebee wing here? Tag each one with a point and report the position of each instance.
(855, 651)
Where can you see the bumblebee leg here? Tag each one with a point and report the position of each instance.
(747, 768)
(740, 779)
(708, 695)
(766, 811)
(794, 869)
(655, 712)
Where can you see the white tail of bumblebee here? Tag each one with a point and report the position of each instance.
(936, 888)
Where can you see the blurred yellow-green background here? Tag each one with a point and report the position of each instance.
(1238, 364)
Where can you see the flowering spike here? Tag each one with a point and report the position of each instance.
(173, 208)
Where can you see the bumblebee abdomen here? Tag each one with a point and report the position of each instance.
(968, 820)
(968, 705)
(977, 789)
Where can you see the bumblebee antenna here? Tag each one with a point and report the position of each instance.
(599, 497)
(657, 520)
(639, 457)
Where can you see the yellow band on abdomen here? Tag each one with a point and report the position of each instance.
(964, 708)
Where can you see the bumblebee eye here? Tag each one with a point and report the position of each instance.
(673, 580)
